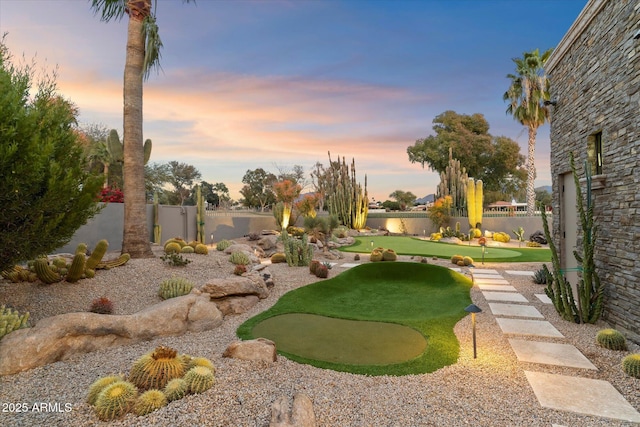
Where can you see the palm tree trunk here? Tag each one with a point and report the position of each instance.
(136, 238)
(531, 171)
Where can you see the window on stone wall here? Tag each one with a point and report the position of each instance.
(594, 152)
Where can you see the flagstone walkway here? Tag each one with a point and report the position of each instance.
(566, 393)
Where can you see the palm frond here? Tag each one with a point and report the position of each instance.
(153, 46)
(109, 9)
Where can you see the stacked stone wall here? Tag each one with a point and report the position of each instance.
(596, 83)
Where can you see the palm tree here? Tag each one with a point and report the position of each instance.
(143, 55)
(526, 95)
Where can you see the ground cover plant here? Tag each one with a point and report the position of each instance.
(349, 322)
(414, 246)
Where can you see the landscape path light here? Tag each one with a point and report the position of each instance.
(473, 309)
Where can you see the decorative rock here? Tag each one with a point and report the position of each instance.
(60, 337)
(301, 415)
(238, 247)
(268, 242)
(258, 349)
(251, 284)
(236, 305)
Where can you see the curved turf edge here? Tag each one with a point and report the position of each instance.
(428, 298)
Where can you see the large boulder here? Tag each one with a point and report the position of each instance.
(236, 286)
(60, 337)
(301, 414)
(258, 349)
(236, 305)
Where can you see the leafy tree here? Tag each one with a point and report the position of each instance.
(215, 194)
(156, 176)
(182, 177)
(257, 190)
(46, 191)
(543, 198)
(440, 212)
(142, 56)
(526, 95)
(307, 205)
(391, 205)
(295, 175)
(286, 192)
(494, 160)
(404, 198)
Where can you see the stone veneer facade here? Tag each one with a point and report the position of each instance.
(595, 81)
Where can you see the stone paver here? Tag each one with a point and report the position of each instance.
(581, 395)
(506, 288)
(514, 310)
(486, 276)
(503, 296)
(544, 298)
(485, 271)
(520, 273)
(349, 264)
(549, 353)
(482, 281)
(540, 328)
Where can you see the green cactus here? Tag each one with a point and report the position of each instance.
(313, 266)
(44, 272)
(81, 249)
(174, 287)
(154, 370)
(631, 365)
(201, 361)
(200, 215)
(176, 389)
(99, 385)
(223, 244)
(201, 249)
(157, 228)
(97, 254)
(89, 273)
(59, 262)
(187, 250)
(346, 199)
(11, 320)
(149, 401)
(389, 255)
(453, 182)
(115, 400)
(278, 257)
(297, 251)
(239, 258)
(199, 379)
(611, 339)
(121, 260)
(376, 255)
(172, 248)
(76, 270)
(116, 148)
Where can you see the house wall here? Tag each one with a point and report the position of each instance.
(595, 79)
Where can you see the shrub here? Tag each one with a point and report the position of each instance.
(240, 270)
(46, 189)
(611, 339)
(102, 305)
(631, 365)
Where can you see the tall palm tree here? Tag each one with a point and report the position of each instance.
(526, 95)
(143, 55)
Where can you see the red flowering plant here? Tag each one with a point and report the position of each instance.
(111, 195)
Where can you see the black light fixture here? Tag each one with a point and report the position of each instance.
(473, 309)
(549, 102)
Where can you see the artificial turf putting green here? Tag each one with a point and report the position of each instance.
(402, 314)
(412, 246)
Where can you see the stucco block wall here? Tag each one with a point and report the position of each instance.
(595, 78)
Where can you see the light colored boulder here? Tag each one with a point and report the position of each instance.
(238, 247)
(236, 286)
(60, 337)
(258, 349)
(236, 305)
(268, 243)
(301, 414)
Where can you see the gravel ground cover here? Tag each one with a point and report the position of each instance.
(491, 390)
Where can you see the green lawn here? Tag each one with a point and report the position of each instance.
(413, 246)
(367, 302)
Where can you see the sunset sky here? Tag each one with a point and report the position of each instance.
(272, 84)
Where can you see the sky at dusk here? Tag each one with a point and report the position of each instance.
(272, 84)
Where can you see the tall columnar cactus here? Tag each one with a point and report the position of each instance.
(157, 228)
(77, 268)
(10, 320)
(590, 289)
(346, 199)
(453, 182)
(297, 251)
(471, 202)
(116, 148)
(200, 215)
(44, 272)
(479, 203)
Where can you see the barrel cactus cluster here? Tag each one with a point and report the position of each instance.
(55, 270)
(462, 261)
(382, 254)
(155, 379)
(11, 320)
(174, 287)
(177, 245)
